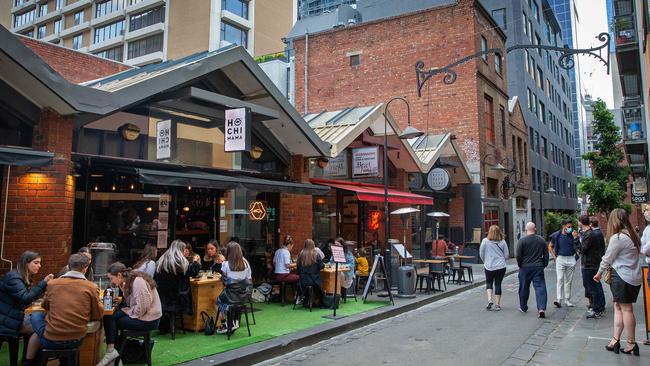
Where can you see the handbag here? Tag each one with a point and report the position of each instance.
(209, 325)
(134, 351)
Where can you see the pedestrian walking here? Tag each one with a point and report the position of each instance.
(494, 253)
(532, 258)
(563, 249)
(592, 249)
(645, 242)
(622, 264)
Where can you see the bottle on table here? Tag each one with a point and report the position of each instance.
(108, 299)
(456, 249)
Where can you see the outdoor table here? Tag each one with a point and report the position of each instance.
(431, 261)
(204, 294)
(92, 347)
(328, 276)
(460, 263)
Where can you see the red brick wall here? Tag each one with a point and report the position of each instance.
(296, 209)
(389, 50)
(40, 202)
(76, 67)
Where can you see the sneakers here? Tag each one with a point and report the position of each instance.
(594, 315)
(497, 308)
(522, 310)
(223, 329)
(235, 324)
(488, 306)
(109, 357)
(570, 304)
(542, 314)
(557, 304)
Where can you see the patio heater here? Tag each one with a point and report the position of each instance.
(436, 215)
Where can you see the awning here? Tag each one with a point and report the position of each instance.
(375, 192)
(202, 179)
(24, 157)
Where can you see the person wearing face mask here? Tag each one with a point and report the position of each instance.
(645, 244)
(563, 250)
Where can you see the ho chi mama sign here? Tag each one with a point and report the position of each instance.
(237, 130)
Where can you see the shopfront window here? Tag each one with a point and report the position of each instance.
(490, 217)
(325, 217)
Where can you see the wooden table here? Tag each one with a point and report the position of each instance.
(91, 350)
(431, 261)
(328, 277)
(204, 295)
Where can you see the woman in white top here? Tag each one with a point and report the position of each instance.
(624, 260)
(237, 278)
(494, 253)
(147, 261)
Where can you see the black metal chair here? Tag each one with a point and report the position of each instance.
(70, 356)
(14, 345)
(310, 297)
(126, 334)
(172, 315)
(437, 274)
(283, 288)
(234, 313)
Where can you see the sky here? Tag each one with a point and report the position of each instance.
(592, 17)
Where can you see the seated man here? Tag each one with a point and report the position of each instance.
(71, 302)
(439, 247)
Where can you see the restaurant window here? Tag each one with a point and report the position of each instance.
(234, 34)
(77, 41)
(484, 47)
(147, 18)
(109, 31)
(237, 7)
(489, 119)
(324, 217)
(145, 46)
(490, 217)
(114, 54)
(78, 17)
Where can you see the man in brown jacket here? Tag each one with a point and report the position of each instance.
(71, 302)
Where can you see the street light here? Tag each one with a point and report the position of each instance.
(408, 133)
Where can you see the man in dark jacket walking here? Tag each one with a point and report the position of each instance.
(532, 258)
(592, 249)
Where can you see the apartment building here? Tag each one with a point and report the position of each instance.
(310, 8)
(545, 89)
(140, 32)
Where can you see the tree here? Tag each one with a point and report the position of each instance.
(552, 221)
(606, 190)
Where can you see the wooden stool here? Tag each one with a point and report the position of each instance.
(71, 356)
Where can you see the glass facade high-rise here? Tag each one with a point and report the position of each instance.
(310, 8)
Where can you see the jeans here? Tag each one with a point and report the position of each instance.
(495, 276)
(564, 268)
(119, 320)
(594, 289)
(38, 324)
(536, 276)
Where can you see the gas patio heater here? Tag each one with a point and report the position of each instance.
(436, 215)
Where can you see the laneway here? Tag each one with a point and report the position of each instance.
(459, 331)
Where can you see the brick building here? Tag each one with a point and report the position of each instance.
(371, 58)
(91, 167)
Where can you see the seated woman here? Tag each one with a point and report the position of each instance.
(140, 311)
(147, 261)
(362, 262)
(173, 272)
(351, 262)
(17, 292)
(282, 262)
(237, 277)
(309, 266)
(213, 258)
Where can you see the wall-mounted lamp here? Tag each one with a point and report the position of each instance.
(149, 209)
(256, 152)
(189, 188)
(186, 209)
(222, 201)
(322, 162)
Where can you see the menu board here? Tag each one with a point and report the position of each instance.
(338, 255)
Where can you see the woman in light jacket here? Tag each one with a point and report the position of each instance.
(624, 259)
(494, 253)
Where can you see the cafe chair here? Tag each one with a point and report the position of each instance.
(437, 274)
(70, 356)
(361, 283)
(345, 291)
(14, 343)
(420, 280)
(172, 315)
(310, 297)
(283, 288)
(455, 271)
(234, 313)
(126, 334)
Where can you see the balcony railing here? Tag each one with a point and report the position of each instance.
(624, 30)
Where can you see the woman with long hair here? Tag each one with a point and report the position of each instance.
(237, 277)
(494, 254)
(309, 267)
(213, 258)
(141, 311)
(623, 261)
(173, 272)
(147, 261)
(17, 292)
(282, 262)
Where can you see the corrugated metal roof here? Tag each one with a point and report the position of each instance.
(335, 126)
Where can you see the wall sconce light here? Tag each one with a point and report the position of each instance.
(96, 188)
(186, 209)
(222, 201)
(189, 188)
(149, 209)
(322, 162)
(256, 152)
(320, 201)
(113, 187)
(132, 186)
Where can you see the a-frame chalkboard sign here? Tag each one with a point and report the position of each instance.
(379, 262)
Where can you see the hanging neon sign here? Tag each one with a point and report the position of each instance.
(257, 211)
(374, 220)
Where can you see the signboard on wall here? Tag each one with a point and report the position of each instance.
(365, 162)
(338, 166)
(438, 179)
(237, 130)
(164, 139)
(640, 191)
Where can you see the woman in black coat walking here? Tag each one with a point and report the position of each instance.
(309, 266)
(17, 293)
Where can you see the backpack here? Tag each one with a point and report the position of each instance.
(209, 325)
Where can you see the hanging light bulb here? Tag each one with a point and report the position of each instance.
(189, 188)
(132, 186)
(113, 187)
(96, 188)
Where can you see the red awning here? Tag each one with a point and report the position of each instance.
(375, 192)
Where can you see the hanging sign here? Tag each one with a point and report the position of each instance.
(164, 139)
(237, 130)
(257, 211)
(163, 203)
(639, 191)
(365, 162)
(338, 166)
(374, 220)
(438, 179)
(162, 239)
